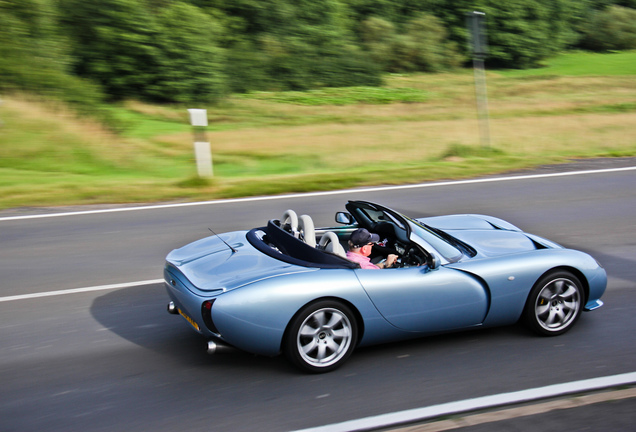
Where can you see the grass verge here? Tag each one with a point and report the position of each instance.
(416, 128)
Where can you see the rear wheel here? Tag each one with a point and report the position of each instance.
(554, 304)
(321, 336)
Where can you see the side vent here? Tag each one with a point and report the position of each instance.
(537, 245)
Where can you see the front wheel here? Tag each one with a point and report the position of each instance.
(554, 304)
(321, 337)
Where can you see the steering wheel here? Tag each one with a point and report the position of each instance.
(411, 258)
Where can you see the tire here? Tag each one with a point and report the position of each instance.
(321, 337)
(555, 303)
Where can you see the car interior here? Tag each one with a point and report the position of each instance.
(296, 240)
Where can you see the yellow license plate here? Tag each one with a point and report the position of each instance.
(190, 320)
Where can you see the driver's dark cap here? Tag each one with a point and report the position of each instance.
(362, 237)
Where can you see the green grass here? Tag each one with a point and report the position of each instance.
(584, 64)
(139, 125)
(417, 127)
(342, 96)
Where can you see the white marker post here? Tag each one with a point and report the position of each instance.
(202, 152)
(479, 48)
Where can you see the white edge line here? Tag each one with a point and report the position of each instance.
(316, 194)
(79, 290)
(421, 414)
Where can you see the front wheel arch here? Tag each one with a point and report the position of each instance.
(555, 301)
(576, 272)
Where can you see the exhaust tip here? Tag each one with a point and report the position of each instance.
(217, 347)
(172, 309)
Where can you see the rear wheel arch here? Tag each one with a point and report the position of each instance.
(352, 308)
(322, 334)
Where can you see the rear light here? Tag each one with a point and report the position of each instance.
(206, 313)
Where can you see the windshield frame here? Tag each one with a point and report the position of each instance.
(447, 251)
(414, 231)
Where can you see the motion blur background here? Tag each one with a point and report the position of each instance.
(301, 95)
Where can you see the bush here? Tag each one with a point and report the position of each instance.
(423, 46)
(611, 29)
(192, 64)
(35, 56)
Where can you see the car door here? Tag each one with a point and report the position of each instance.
(420, 300)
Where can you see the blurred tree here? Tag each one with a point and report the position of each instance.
(34, 55)
(191, 63)
(379, 37)
(164, 51)
(521, 33)
(114, 43)
(433, 51)
(613, 28)
(359, 11)
(599, 5)
(423, 45)
(290, 44)
(196, 50)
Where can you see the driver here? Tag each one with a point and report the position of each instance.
(360, 245)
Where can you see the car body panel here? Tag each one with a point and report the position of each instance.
(427, 301)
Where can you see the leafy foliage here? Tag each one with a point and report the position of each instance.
(34, 55)
(423, 45)
(185, 51)
(524, 32)
(113, 43)
(192, 63)
(294, 45)
(611, 29)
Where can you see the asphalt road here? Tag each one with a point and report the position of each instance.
(115, 360)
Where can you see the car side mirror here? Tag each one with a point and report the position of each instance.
(434, 265)
(344, 218)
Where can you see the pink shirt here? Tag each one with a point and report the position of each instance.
(365, 262)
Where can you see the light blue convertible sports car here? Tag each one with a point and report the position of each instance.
(288, 287)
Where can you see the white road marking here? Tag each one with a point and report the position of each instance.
(79, 290)
(318, 194)
(525, 410)
(420, 414)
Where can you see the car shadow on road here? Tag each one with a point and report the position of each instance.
(139, 315)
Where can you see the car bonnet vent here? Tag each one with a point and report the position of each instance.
(537, 245)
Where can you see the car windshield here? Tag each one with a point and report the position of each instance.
(444, 246)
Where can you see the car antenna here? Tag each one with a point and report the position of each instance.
(226, 243)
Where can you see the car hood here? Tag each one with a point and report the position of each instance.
(210, 265)
(467, 222)
(494, 243)
(489, 236)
